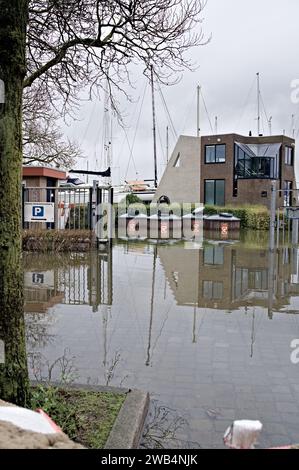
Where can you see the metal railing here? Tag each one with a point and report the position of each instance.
(64, 208)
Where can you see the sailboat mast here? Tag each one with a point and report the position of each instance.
(258, 105)
(154, 127)
(198, 111)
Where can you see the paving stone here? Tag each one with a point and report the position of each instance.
(287, 407)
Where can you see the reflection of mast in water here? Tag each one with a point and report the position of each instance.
(252, 332)
(106, 299)
(194, 339)
(147, 363)
(194, 325)
(271, 283)
(106, 314)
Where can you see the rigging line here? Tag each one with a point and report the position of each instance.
(89, 122)
(246, 103)
(136, 129)
(264, 107)
(206, 109)
(130, 125)
(167, 111)
(188, 111)
(131, 156)
(104, 127)
(161, 144)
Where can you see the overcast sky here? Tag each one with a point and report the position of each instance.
(248, 36)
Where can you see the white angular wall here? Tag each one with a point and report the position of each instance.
(182, 184)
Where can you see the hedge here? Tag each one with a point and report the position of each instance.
(252, 217)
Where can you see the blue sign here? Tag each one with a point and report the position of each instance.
(38, 211)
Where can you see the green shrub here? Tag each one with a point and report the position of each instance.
(132, 199)
(252, 217)
(57, 240)
(78, 218)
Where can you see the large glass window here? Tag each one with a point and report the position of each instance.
(214, 192)
(256, 165)
(215, 153)
(288, 156)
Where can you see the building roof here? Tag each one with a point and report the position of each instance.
(44, 171)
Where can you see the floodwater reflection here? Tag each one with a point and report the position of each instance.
(206, 331)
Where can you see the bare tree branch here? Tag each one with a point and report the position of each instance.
(77, 43)
(43, 141)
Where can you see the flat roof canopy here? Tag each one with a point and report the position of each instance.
(42, 171)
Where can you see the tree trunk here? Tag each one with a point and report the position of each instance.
(13, 366)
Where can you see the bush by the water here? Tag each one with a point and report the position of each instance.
(252, 217)
(57, 240)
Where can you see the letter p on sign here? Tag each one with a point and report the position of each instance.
(38, 211)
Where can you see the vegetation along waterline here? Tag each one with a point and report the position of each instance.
(252, 217)
(85, 416)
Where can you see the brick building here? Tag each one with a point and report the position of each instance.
(229, 169)
(238, 170)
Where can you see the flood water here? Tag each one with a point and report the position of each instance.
(207, 330)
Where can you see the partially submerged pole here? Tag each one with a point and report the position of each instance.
(272, 216)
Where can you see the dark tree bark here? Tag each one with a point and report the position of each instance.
(13, 370)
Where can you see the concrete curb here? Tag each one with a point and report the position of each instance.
(127, 429)
(128, 426)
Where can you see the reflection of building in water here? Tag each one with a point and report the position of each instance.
(227, 277)
(80, 279)
(41, 291)
(181, 271)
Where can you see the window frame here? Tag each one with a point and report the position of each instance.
(215, 162)
(215, 185)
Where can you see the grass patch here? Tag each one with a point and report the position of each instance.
(85, 416)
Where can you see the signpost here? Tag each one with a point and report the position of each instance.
(39, 212)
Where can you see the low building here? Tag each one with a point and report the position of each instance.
(42, 177)
(229, 169)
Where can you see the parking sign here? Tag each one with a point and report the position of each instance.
(39, 212)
